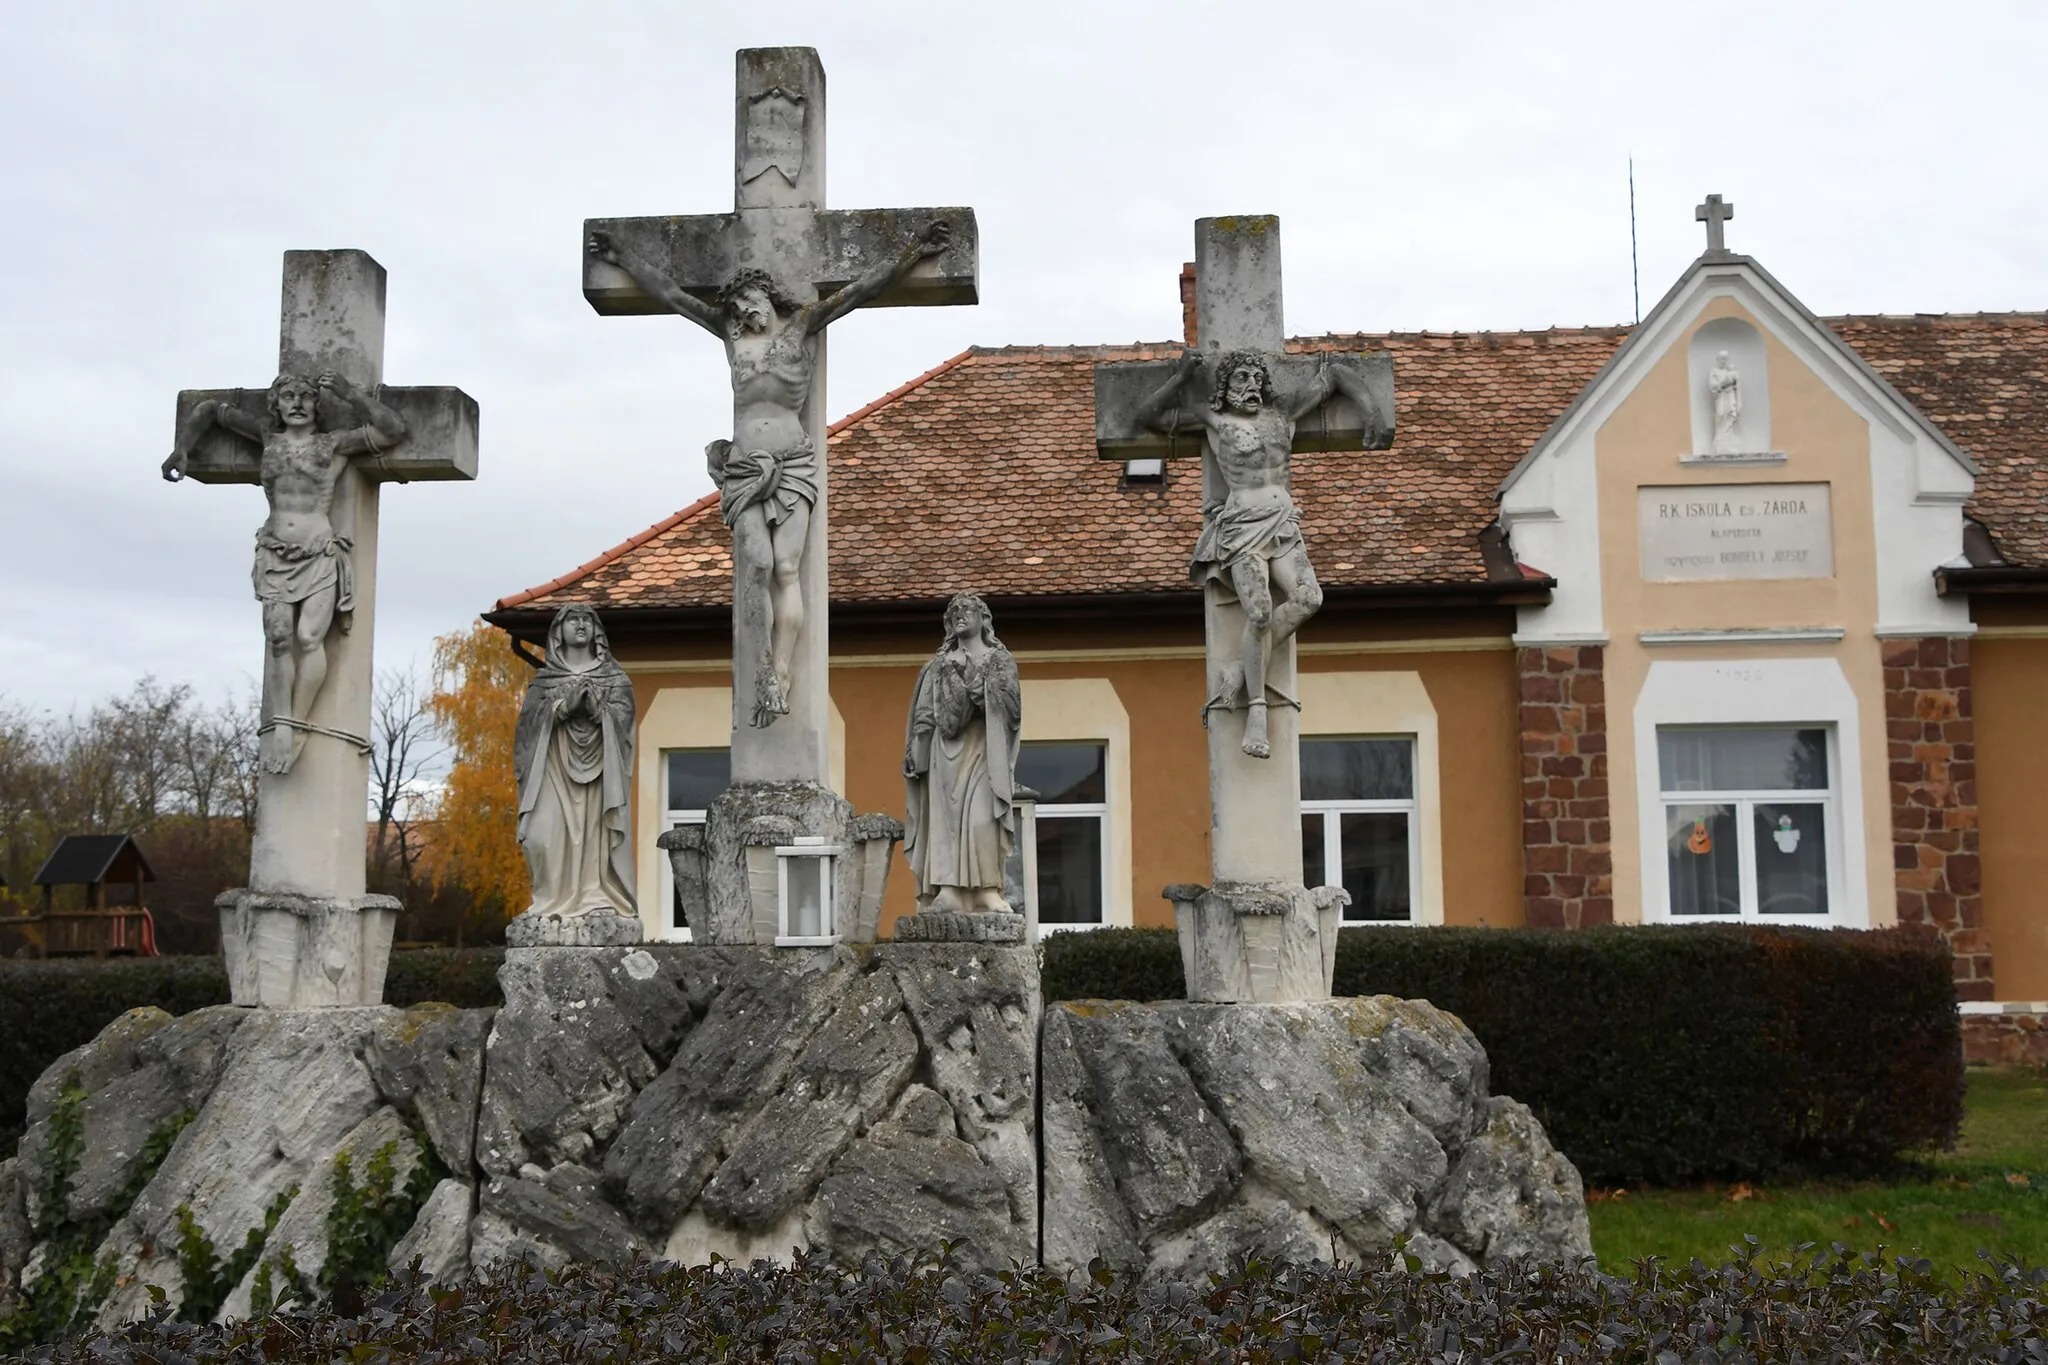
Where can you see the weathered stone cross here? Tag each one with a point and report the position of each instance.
(766, 278)
(302, 932)
(1714, 213)
(1210, 402)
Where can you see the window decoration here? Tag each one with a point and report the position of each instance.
(1747, 815)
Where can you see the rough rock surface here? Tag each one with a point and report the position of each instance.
(17, 1238)
(428, 1061)
(1179, 1136)
(144, 1071)
(440, 1234)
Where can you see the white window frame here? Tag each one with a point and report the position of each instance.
(1075, 810)
(1810, 693)
(1089, 711)
(1745, 803)
(1333, 811)
(676, 819)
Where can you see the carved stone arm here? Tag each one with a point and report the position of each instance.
(656, 285)
(203, 418)
(386, 423)
(1156, 411)
(1379, 424)
(879, 277)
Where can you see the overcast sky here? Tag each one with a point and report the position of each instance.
(1441, 167)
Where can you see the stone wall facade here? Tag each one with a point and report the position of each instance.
(2016, 1035)
(1567, 850)
(1931, 745)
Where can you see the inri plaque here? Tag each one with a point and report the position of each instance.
(1735, 530)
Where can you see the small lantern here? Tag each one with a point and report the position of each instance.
(805, 883)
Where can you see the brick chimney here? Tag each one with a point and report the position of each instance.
(1187, 302)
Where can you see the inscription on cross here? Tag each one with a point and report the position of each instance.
(1714, 213)
(767, 279)
(320, 440)
(1247, 406)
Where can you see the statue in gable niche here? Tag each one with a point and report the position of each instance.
(960, 764)
(574, 754)
(1724, 387)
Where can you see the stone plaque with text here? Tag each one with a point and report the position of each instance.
(1735, 530)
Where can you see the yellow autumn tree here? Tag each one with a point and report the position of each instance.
(478, 685)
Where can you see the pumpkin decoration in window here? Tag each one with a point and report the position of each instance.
(1701, 841)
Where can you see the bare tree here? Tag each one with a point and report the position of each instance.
(403, 754)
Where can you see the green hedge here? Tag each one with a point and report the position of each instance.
(48, 1008)
(1663, 1054)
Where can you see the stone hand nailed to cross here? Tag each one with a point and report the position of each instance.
(768, 473)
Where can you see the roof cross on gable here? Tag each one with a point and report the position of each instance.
(1714, 213)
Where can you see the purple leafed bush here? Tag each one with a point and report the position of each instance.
(1831, 1307)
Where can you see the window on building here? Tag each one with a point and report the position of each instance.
(1746, 819)
(690, 778)
(1358, 824)
(1070, 778)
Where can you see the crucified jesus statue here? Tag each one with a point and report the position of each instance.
(1250, 546)
(767, 474)
(304, 575)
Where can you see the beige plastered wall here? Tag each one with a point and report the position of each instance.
(1826, 441)
(2009, 677)
(1146, 704)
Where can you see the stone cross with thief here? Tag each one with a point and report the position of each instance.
(1247, 406)
(767, 279)
(320, 440)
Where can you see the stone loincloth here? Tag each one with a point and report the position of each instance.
(777, 483)
(289, 573)
(1238, 532)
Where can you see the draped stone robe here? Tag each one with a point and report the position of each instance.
(574, 822)
(959, 767)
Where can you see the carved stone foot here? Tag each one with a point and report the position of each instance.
(275, 749)
(771, 698)
(1255, 744)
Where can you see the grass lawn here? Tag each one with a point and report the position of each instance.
(1991, 1192)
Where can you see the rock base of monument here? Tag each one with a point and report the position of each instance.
(683, 1101)
(946, 926)
(1181, 1137)
(605, 928)
(1264, 943)
(289, 951)
(727, 871)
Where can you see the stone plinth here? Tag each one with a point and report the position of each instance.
(1258, 942)
(592, 929)
(290, 951)
(942, 926)
(726, 871)
(1180, 1137)
(685, 1100)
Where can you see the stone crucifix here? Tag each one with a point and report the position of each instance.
(1715, 213)
(767, 279)
(1245, 405)
(320, 440)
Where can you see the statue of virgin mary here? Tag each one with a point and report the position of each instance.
(960, 764)
(574, 754)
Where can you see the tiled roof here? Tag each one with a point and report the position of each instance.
(1983, 379)
(982, 473)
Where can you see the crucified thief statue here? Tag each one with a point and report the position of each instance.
(304, 576)
(1250, 546)
(767, 474)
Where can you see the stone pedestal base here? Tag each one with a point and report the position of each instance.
(943, 926)
(289, 951)
(1265, 943)
(605, 928)
(725, 870)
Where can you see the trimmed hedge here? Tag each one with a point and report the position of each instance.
(49, 1007)
(1668, 1054)
(1822, 1309)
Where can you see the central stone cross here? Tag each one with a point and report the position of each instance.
(1245, 405)
(1714, 213)
(767, 278)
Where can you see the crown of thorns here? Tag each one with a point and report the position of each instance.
(754, 278)
(1229, 365)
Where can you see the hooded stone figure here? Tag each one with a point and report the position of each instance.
(960, 764)
(574, 754)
